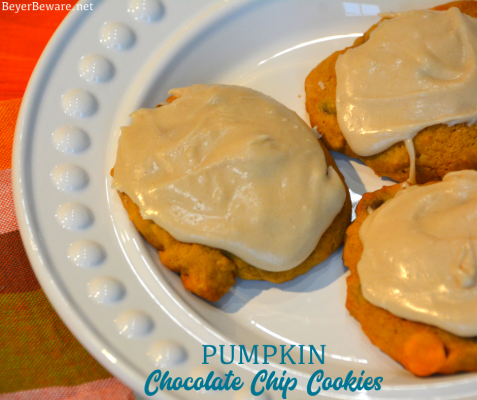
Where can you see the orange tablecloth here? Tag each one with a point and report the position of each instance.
(39, 357)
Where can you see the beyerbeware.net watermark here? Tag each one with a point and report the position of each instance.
(36, 6)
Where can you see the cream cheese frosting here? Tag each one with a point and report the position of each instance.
(420, 254)
(230, 168)
(416, 70)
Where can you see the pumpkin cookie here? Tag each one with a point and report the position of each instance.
(422, 349)
(206, 270)
(439, 148)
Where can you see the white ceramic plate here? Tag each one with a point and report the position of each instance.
(106, 283)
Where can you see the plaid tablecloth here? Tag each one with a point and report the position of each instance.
(39, 357)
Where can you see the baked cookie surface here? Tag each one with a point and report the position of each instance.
(422, 349)
(439, 148)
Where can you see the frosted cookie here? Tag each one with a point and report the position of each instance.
(412, 257)
(225, 181)
(403, 92)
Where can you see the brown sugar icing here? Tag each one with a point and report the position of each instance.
(420, 254)
(230, 168)
(416, 70)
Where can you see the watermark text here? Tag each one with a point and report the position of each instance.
(37, 6)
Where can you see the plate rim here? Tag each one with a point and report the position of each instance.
(30, 232)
